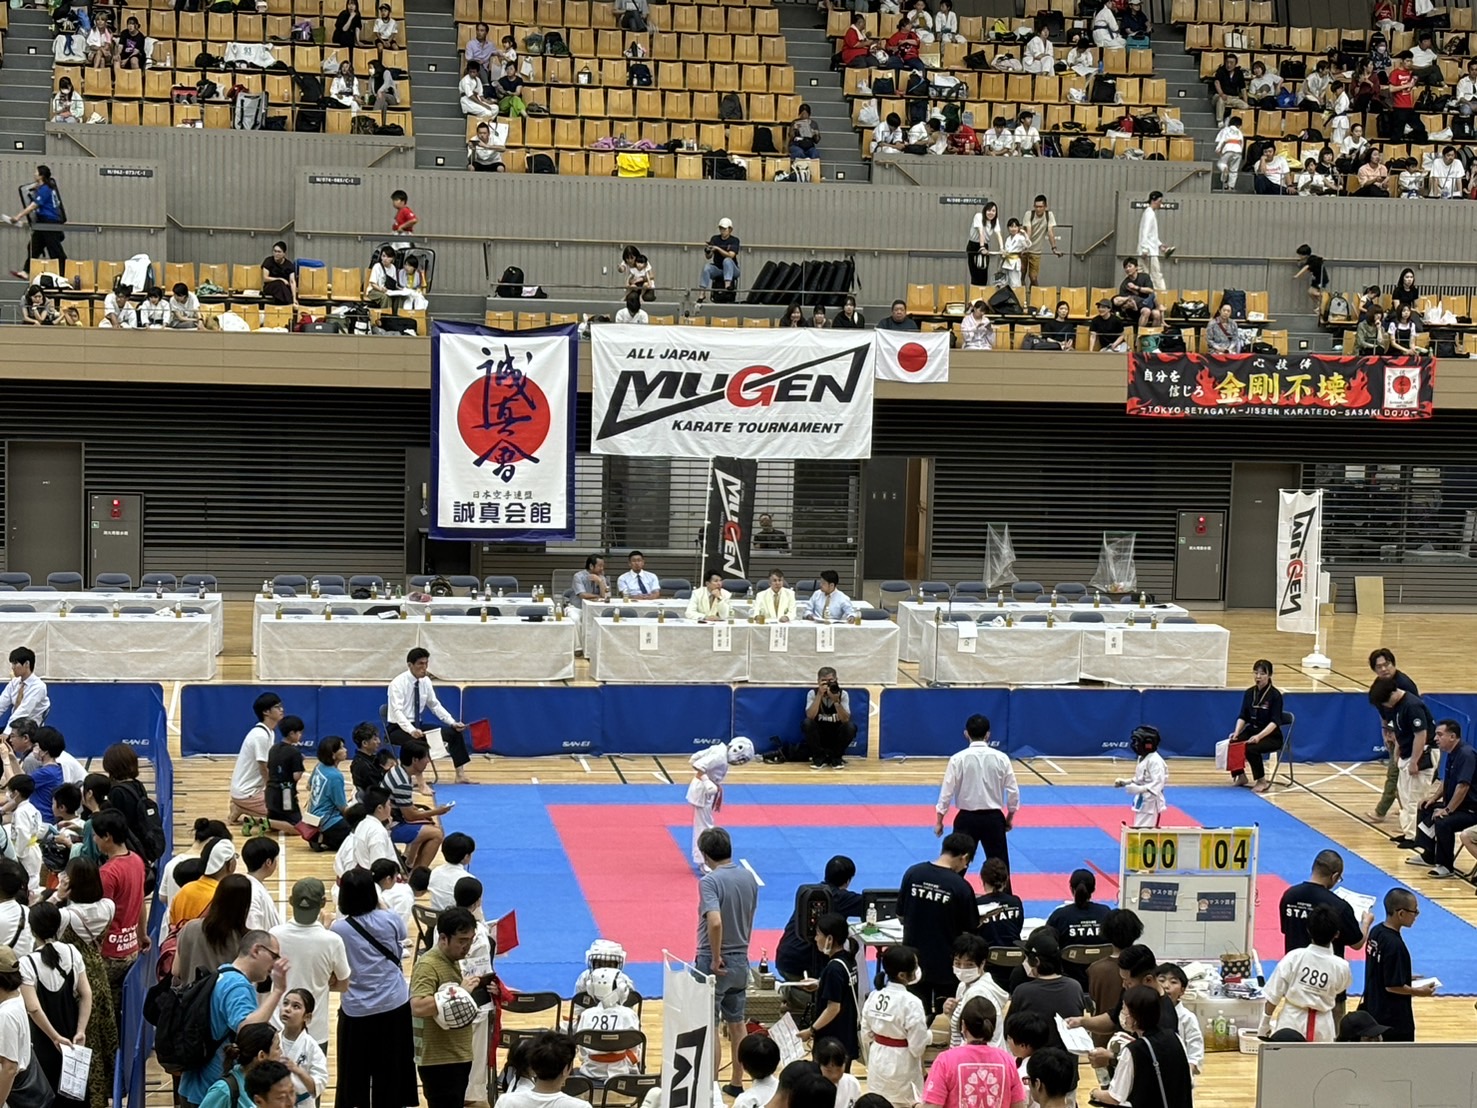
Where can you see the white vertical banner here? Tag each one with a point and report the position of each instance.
(1299, 559)
(502, 433)
(688, 1031)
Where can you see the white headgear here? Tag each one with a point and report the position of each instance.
(605, 952)
(608, 987)
(740, 751)
(455, 1008)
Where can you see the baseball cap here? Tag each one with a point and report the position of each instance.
(1360, 1025)
(1041, 942)
(726, 222)
(221, 855)
(9, 963)
(308, 898)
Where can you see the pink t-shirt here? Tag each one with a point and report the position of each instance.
(973, 1076)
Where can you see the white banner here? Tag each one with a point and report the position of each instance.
(502, 433)
(688, 1031)
(1299, 559)
(704, 392)
(919, 359)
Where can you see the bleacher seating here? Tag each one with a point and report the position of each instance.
(164, 94)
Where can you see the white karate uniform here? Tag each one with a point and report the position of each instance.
(618, 1018)
(701, 794)
(895, 1072)
(1308, 982)
(984, 986)
(1192, 1037)
(1229, 143)
(1150, 777)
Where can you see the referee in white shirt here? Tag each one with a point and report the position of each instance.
(980, 781)
(25, 695)
(411, 694)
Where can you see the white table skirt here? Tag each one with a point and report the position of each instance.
(463, 648)
(865, 653)
(912, 615)
(52, 602)
(1177, 655)
(684, 653)
(440, 605)
(126, 648)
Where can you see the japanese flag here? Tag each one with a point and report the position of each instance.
(911, 356)
(1403, 388)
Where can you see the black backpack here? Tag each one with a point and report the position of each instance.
(884, 86)
(542, 163)
(764, 141)
(1082, 147)
(181, 1017)
(638, 74)
(145, 824)
(730, 108)
(310, 89)
(510, 286)
(555, 46)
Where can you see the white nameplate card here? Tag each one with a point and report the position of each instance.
(825, 638)
(722, 638)
(648, 639)
(1113, 640)
(968, 636)
(779, 638)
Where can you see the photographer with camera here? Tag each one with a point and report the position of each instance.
(827, 726)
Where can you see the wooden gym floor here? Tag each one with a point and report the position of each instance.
(1328, 797)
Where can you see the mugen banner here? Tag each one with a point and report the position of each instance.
(731, 487)
(708, 392)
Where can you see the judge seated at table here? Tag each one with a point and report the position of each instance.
(589, 583)
(710, 603)
(828, 602)
(636, 583)
(775, 603)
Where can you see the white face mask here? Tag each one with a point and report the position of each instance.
(911, 978)
(967, 974)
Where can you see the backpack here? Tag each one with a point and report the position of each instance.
(1104, 91)
(310, 88)
(1171, 342)
(542, 163)
(555, 46)
(638, 74)
(145, 823)
(764, 141)
(1237, 299)
(1082, 147)
(362, 125)
(181, 1017)
(206, 60)
(1338, 307)
(250, 111)
(730, 107)
(978, 60)
(884, 86)
(393, 129)
(510, 286)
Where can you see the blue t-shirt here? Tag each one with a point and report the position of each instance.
(1459, 767)
(376, 984)
(326, 795)
(47, 778)
(231, 1004)
(46, 212)
(219, 1094)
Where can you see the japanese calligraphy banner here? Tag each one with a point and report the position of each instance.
(502, 433)
(1299, 559)
(731, 486)
(708, 392)
(1314, 386)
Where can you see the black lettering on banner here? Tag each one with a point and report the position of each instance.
(687, 1067)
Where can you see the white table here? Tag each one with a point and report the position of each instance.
(913, 614)
(367, 648)
(862, 654)
(683, 654)
(189, 598)
(1189, 655)
(265, 608)
(595, 609)
(115, 648)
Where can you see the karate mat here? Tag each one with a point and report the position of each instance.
(611, 861)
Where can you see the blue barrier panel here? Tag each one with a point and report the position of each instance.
(215, 718)
(530, 722)
(1191, 721)
(1072, 723)
(1333, 727)
(95, 716)
(929, 723)
(671, 719)
(1461, 707)
(764, 712)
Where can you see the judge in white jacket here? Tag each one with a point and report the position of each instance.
(710, 604)
(776, 603)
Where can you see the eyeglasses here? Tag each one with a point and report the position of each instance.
(276, 955)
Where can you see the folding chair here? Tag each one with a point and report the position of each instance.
(1284, 756)
(529, 1004)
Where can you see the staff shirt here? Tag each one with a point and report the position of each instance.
(26, 698)
(979, 778)
(1386, 963)
(402, 702)
(1297, 905)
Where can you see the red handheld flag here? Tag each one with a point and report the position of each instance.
(481, 732)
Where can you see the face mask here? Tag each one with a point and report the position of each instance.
(913, 978)
(967, 974)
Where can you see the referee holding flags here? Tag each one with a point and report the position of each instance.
(981, 783)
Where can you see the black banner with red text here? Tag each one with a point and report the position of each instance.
(1304, 386)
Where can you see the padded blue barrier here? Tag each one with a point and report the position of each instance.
(929, 723)
(1192, 721)
(667, 719)
(215, 718)
(1072, 723)
(1333, 727)
(95, 716)
(529, 722)
(763, 712)
(1461, 707)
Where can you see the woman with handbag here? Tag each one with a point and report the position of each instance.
(57, 995)
(27, 1086)
(985, 238)
(1153, 1071)
(375, 1043)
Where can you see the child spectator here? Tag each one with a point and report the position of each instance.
(962, 1073)
(395, 895)
(550, 1059)
(833, 1060)
(284, 770)
(609, 1014)
(327, 802)
(895, 1028)
(310, 1066)
(457, 851)
(971, 956)
(1026, 1033)
(184, 309)
(760, 1057)
(835, 996)
(1016, 244)
(13, 900)
(26, 826)
(343, 861)
(1052, 1078)
(405, 220)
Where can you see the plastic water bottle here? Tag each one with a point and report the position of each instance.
(202, 590)
(1233, 1035)
(1000, 599)
(117, 609)
(1219, 1030)
(1143, 600)
(871, 916)
(314, 589)
(1053, 598)
(179, 613)
(266, 587)
(158, 590)
(1097, 599)
(484, 613)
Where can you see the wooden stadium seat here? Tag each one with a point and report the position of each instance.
(175, 272)
(346, 286)
(158, 84)
(921, 300)
(572, 163)
(245, 278)
(126, 113)
(277, 316)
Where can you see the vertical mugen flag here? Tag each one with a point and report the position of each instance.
(688, 1028)
(1299, 559)
(502, 433)
(731, 483)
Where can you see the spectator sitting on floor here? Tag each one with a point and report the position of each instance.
(473, 102)
(67, 105)
(977, 329)
(898, 320)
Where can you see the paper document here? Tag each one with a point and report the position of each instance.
(76, 1063)
(786, 1036)
(1076, 1039)
(1422, 982)
(1358, 901)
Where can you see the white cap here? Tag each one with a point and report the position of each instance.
(221, 855)
(726, 222)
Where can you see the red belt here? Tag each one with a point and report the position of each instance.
(887, 1040)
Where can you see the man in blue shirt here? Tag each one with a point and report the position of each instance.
(235, 1003)
(1450, 806)
(828, 602)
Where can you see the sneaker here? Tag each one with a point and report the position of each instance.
(1440, 871)
(817, 765)
(1375, 817)
(839, 763)
(20, 275)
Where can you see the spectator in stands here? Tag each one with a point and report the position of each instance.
(1466, 100)
(1353, 151)
(1369, 335)
(1106, 329)
(184, 309)
(1402, 116)
(1406, 291)
(1447, 176)
(1059, 329)
(848, 318)
(1312, 181)
(1410, 180)
(507, 90)
(977, 329)
(1262, 90)
(795, 317)
(985, 240)
(1269, 176)
(856, 47)
(1229, 147)
(903, 48)
(509, 50)
(384, 279)
(920, 19)
(100, 43)
(963, 140)
(1105, 28)
(946, 23)
(118, 310)
(1136, 294)
(818, 317)
(480, 49)
(1136, 24)
(1403, 327)
(386, 30)
(998, 140)
(1374, 175)
(46, 212)
(384, 93)
(1040, 229)
(1151, 248)
(484, 155)
(1013, 253)
(348, 26)
(1426, 62)
(1082, 58)
(37, 309)
(1365, 89)
(153, 312)
(632, 312)
(1027, 136)
(805, 134)
(889, 135)
(1229, 85)
(1222, 336)
(67, 105)
(1384, 16)
(1316, 86)
(279, 276)
(898, 320)
(722, 252)
(131, 46)
(1313, 268)
(1037, 56)
(345, 92)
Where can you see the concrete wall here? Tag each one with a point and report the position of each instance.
(115, 206)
